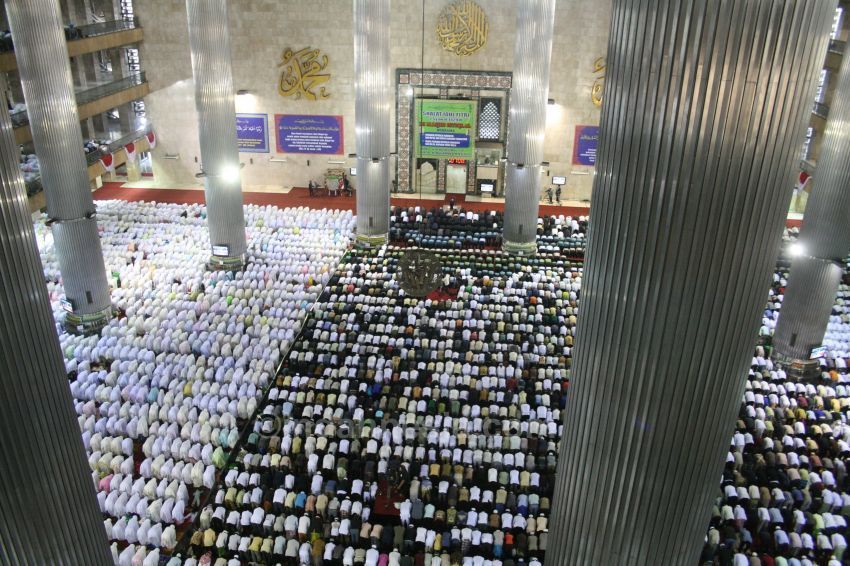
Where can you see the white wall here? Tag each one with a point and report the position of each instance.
(262, 29)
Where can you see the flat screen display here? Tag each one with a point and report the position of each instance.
(487, 187)
(559, 180)
(352, 171)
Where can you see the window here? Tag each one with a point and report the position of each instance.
(821, 92)
(490, 119)
(807, 144)
(836, 23)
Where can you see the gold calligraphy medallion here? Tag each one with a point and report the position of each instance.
(302, 72)
(462, 27)
(599, 82)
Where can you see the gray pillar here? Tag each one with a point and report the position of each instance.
(527, 128)
(705, 108)
(48, 509)
(49, 95)
(824, 237)
(373, 105)
(209, 40)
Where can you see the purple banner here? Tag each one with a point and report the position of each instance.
(584, 147)
(252, 133)
(298, 133)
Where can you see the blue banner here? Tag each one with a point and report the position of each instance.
(298, 133)
(584, 148)
(252, 133)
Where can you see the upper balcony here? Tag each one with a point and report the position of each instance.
(89, 39)
(92, 101)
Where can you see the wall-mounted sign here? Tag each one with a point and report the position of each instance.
(297, 133)
(584, 146)
(598, 82)
(252, 133)
(302, 72)
(445, 129)
(462, 27)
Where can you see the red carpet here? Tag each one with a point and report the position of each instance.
(301, 197)
(385, 502)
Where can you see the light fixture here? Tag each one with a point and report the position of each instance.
(796, 249)
(352, 156)
(544, 163)
(242, 92)
(550, 101)
(229, 173)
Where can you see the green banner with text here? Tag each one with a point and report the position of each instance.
(445, 129)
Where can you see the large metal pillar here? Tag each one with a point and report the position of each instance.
(48, 509)
(372, 105)
(209, 41)
(824, 237)
(529, 92)
(48, 91)
(705, 108)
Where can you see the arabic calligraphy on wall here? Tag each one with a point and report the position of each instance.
(302, 72)
(598, 82)
(462, 27)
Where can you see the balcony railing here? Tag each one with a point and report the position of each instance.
(115, 145)
(73, 32)
(95, 93)
(836, 46)
(20, 118)
(103, 28)
(821, 110)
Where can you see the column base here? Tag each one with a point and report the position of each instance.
(229, 263)
(371, 241)
(801, 370)
(519, 248)
(86, 324)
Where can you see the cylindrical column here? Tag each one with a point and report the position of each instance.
(372, 106)
(824, 237)
(705, 108)
(209, 42)
(527, 128)
(806, 307)
(48, 509)
(48, 90)
(522, 199)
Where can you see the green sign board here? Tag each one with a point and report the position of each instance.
(445, 129)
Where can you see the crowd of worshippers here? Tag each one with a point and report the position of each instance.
(401, 431)
(785, 492)
(161, 391)
(456, 228)
(406, 430)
